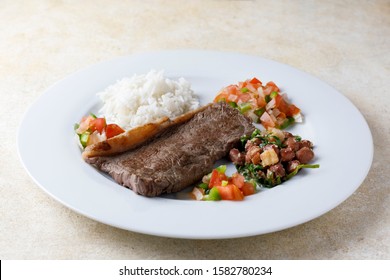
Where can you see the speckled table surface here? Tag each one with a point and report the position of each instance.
(344, 43)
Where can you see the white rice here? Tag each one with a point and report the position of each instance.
(142, 99)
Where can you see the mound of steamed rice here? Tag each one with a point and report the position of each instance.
(142, 99)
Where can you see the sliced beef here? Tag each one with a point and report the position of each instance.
(181, 155)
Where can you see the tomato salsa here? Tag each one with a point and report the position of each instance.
(218, 186)
(264, 104)
(92, 129)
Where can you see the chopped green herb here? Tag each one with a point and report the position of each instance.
(243, 140)
(243, 90)
(298, 138)
(276, 141)
(250, 171)
(299, 167)
(255, 133)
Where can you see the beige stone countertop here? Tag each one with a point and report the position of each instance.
(344, 43)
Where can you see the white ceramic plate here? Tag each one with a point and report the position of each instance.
(343, 148)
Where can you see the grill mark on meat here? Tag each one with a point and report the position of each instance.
(181, 155)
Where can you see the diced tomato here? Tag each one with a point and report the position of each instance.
(250, 87)
(242, 84)
(86, 120)
(230, 192)
(293, 110)
(237, 193)
(84, 124)
(221, 96)
(261, 102)
(255, 81)
(217, 178)
(225, 192)
(271, 85)
(98, 125)
(238, 180)
(281, 104)
(232, 89)
(244, 97)
(113, 130)
(248, 189)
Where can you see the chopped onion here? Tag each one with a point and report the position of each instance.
(233, 97)
(298, 118)
(197, 193)
(271, 114)
(253, 116)
(276, 112)
(265, 117)
(96, 137)
(260, 91)
(278, 133)
(270, 104)
(250, 87)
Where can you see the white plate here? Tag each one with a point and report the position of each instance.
(343, 148)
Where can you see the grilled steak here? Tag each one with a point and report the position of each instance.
(181, 155)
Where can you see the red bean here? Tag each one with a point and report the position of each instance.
(305, 155)
(291, 143)
(287, 154)
(278, 170)
(305, 143)
(292, 165)
(251, 143)
(236, 157)
(271, 146)
(251, 153)
(287, 134)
